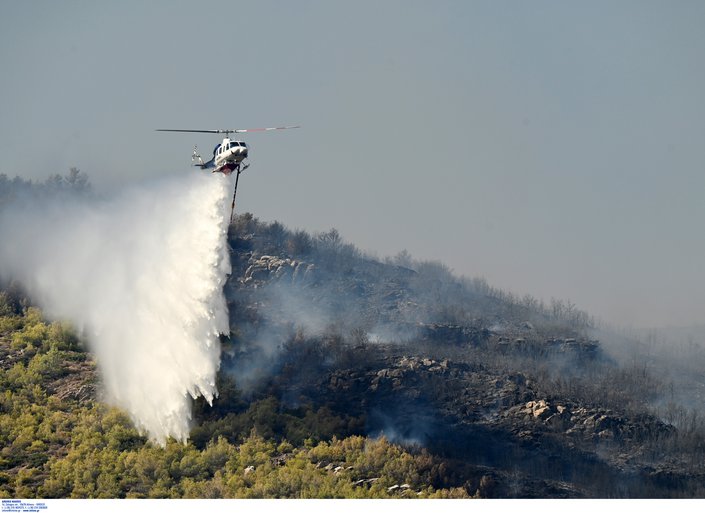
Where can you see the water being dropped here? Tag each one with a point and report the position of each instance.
(142, 276)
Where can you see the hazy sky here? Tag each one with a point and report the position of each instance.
(555, 148)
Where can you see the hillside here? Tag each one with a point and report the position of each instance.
(346, 376)
(498, 386)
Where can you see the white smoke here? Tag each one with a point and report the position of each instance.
(142, 275)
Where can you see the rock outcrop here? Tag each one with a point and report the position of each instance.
(487, 385)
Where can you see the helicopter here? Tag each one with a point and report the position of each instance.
(228, 156)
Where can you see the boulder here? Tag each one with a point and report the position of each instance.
(542, 412)
(558, 422)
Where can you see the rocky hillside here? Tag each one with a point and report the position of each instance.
(509, 392)
(347, 376)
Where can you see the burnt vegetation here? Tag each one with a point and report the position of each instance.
(348, 376)
(525, 394)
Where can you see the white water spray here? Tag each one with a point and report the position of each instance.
(142, 275)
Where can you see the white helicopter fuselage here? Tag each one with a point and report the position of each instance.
(229, 154)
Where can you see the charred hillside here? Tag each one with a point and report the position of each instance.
(516, 397)
(344, 376)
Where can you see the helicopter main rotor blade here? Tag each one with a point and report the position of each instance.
(198, 131)
(233, 131)
(241, 130)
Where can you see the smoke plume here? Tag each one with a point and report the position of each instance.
(142, 276)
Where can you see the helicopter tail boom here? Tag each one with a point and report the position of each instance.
(197, 161)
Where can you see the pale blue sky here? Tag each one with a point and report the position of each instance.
(555, 148)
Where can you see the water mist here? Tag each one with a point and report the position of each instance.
(141, 275)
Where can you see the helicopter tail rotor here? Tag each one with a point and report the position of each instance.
(196, 157)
